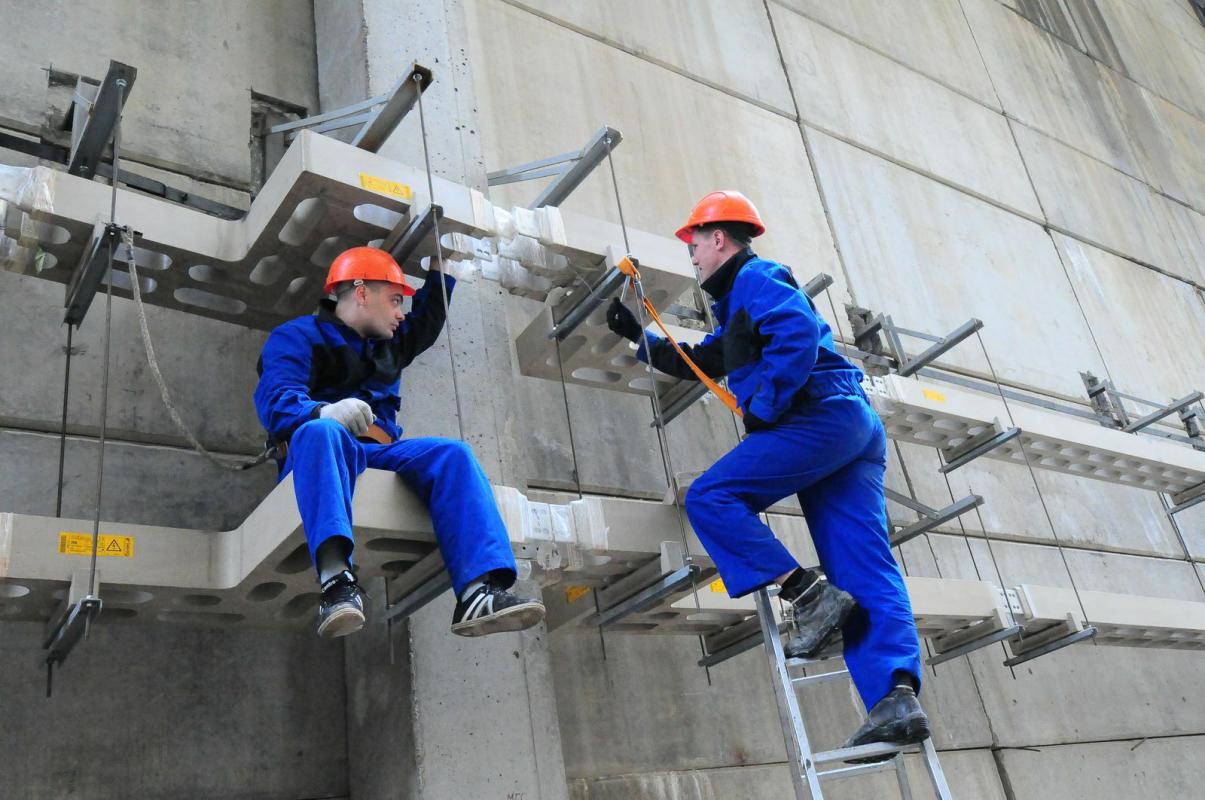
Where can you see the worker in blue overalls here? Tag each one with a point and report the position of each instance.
(810, 432)
(328, 394)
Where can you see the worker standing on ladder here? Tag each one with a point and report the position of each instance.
(329, 394)
(810, 432)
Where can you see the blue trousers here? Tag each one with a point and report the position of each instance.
(832, 454)
(326, 459)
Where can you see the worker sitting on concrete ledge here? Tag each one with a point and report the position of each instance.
(809, 432)
(328, 392)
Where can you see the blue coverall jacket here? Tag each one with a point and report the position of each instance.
(312, 361)
(818, 438)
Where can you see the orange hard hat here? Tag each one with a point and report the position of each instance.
(722, 207)
(365, 264)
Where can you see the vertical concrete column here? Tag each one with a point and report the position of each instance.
(449, 717)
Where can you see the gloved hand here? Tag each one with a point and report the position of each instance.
(350, 412)
(754, 422)
(623, 322)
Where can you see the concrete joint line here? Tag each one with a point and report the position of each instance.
(651, 59)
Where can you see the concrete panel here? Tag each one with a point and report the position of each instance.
(556, 92)
(340, 41)
(729, 45)
(970, 773)
(209, 368)
(1149, 349)
(933, 257)
(1084, 513)
(1051, 15)
(1048, 84)
(1107, 770)
(534, 105)
(191, 104)
(930, 36)
(1123, 34)
(143, 484)
(857, 94)
(172, 712)
(1094, 201)
(1165, 139)
(1160, 687)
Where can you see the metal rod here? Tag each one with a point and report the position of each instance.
(974, 644)
(645, 598)
(957, 336)
(1050, 647)
(329, 115)
(586, 306)
(598, 148)
(964, 455)
(1174, 407)
(58, 500)
(944, 515)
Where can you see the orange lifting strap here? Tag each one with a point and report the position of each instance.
(628, 267)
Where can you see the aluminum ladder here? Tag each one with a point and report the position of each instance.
(806, 775)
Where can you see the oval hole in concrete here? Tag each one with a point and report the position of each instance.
(267, 271)
(267, 591)
(12, 591)
(376, 215)
(198, 600)
(299, 605)
(208, 300)
(296, 561)
(305, 217)
(121, 280)
(129, 597)
(596, 375)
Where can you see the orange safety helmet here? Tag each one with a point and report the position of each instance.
(722, 207)
(365, 264)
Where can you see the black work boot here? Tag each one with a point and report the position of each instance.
(896, 719)
(341, 610)
(819, 613)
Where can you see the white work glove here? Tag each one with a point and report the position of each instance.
(350, 412)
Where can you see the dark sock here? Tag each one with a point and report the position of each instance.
(332, 557)
(902, 678)
(797, 583)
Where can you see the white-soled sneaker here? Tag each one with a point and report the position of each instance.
(491, 609)
(341, 610)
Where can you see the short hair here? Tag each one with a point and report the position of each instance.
(740, 232)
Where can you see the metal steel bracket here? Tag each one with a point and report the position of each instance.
(95, 117)
(972, 449)
(868, 328)
(569, 168)
(377, 116)
(90, 272)
(930, 517)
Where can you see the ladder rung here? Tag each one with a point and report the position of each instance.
(861, 751)
(823, 677)
(857, 769)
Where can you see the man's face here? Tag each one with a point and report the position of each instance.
(705, 251)
(381, 309)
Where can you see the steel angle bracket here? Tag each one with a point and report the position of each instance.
(90, 272)
(982, 444)
(1050, 646)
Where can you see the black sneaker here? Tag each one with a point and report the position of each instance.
(341, 610)
(491, 609)
(819, 613)
(896, 719)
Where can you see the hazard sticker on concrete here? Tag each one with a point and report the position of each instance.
(383, 186)
(575, 593)
(80, 544)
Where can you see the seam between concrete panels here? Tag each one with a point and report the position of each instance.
(1033, 187)
(650, 59)
(1104, 64)
(807, 149)
(166, 443)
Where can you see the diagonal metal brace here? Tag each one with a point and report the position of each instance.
(646, 598)
(1050, 647)
(983, 443)
(930, 517)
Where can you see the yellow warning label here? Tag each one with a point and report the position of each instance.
(717, 586)
(80, 544)
(391, 188)
(934, 395)
(575, 593)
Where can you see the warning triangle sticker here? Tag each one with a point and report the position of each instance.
(114, 546)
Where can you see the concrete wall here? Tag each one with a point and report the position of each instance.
(1025, 163)
(1033, 163)
(155, 711)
